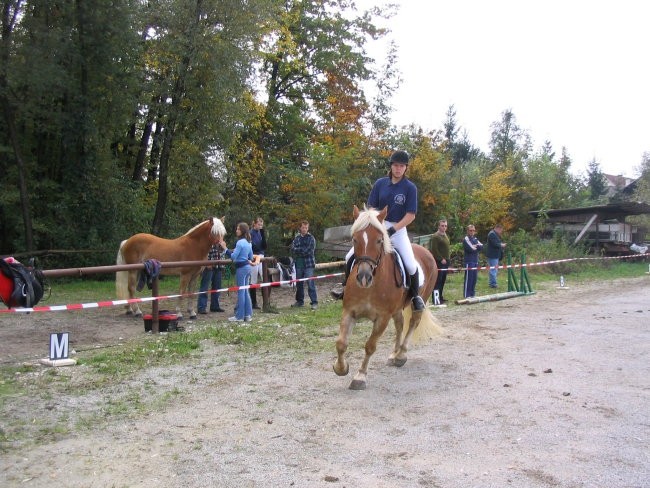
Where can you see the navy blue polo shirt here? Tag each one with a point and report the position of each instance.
(401, 197)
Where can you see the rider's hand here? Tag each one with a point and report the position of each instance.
(391, 231)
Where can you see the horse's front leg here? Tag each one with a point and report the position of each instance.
(359, 382)
(397, 358)
(341, 366)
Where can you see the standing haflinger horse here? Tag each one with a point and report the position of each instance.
(192, 246)
(375, 290)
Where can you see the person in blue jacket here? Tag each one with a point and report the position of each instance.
(242, 258)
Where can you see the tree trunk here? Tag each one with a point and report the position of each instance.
(9, 17)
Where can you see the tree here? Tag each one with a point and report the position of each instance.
(460, 150)
(491, 202)
(10, 13)
(199, 57)
(596, 182)
(510, 148)
(509, 144)
(313, 64)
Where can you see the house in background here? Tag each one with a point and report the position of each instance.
(620, 187)
(603, 227)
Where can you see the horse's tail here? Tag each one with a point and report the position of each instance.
(121, 277)
(427, 329)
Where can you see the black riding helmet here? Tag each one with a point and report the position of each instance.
(401, 157)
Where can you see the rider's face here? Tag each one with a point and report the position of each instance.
(398, 169)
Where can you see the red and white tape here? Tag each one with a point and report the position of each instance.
(112, 303)
(543, 263)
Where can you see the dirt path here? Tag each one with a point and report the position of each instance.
(550, 390)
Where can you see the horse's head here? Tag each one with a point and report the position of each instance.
(217, 229)
(371, 242)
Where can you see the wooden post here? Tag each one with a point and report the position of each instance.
(266, 291)
(155, 326)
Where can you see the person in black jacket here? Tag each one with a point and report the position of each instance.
(258, 241)
(494, 253)
(471, 248)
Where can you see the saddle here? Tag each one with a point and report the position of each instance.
(20, 286)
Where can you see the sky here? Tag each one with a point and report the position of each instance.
(573, 72)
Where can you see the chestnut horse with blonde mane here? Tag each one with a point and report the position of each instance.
(192, 246)
(375, 290)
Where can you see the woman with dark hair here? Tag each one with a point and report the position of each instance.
(242, 258)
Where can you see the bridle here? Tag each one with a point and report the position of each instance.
(372, 262)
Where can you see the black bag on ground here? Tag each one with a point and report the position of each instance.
(28, 284)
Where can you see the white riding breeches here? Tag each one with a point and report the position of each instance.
(401, 242)
(256, 274)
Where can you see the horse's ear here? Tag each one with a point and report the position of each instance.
(223, 219)
(355, 212)
(382, 214)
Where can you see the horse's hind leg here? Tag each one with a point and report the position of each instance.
(133, 307)
(360, 379)
(188, 280)
(398, 356)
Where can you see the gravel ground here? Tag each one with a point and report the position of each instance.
(548, 390)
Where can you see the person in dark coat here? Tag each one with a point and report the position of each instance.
(471, 248)
(494, 253)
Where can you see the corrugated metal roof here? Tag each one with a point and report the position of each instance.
(610, 211)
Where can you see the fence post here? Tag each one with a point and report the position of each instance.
(155, 326)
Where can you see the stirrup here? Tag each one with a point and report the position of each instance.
(418, 303)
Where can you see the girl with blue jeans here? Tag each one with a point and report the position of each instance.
(242, 257)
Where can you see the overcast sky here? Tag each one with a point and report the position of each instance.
(574, 72)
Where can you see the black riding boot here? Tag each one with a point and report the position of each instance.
(338, 294)
(414, 291)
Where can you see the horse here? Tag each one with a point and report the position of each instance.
(192, 246)
(374, 290)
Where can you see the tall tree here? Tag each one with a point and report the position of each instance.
(596, 182)
(509, 149)
(11, 11)
(199, 58)
(314, 62)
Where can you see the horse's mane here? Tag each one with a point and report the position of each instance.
(368, 217)
(217, 229)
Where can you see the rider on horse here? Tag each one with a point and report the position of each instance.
(400, 195)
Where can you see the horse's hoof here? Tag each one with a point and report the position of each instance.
(192, 317)
(397, 362)
(138, 315)
(129, 312)
(358, 385)
(342, 373)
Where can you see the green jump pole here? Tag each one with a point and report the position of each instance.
(512, 279)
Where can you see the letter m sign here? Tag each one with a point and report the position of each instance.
(59, 346)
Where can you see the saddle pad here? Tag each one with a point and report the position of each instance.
(402, 270)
